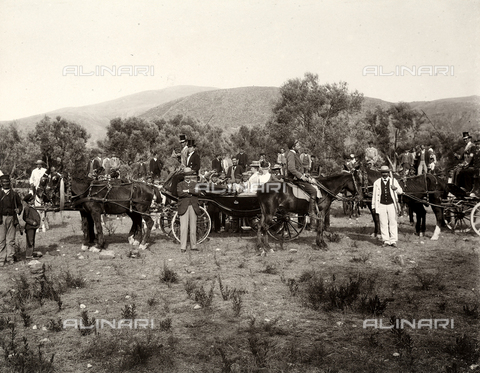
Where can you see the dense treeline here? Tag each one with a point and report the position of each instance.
(327, 118)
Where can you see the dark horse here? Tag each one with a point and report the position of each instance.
(275, 196)
(94, 198)
(415, 188)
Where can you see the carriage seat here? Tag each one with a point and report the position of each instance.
(298, 192)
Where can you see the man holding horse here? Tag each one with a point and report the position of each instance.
(296, 173)
(385, 203)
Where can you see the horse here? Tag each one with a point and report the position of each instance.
(274, 196)
(415, 188)
(94, 198)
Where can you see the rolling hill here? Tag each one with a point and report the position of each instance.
(232, 108)
(95, 118)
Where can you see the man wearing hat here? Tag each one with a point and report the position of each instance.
(468, 154)
(385, 203)
(296, 174)
(242, 157)
(351, 163)
(32, 220)
(36, 178)
(155, 167)
(193, 159)
(184, 151)
(10, 206)
(188, 209)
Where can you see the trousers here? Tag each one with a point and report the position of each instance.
(7, 240)
(388, 223)
(422, 168)
(188, 220)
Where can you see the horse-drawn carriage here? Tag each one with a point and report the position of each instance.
(242, 206)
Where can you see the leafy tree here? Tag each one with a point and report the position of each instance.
(316, 114)
(61, 138)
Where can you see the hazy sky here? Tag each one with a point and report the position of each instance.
(233, 43)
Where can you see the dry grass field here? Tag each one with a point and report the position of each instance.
(226, 309)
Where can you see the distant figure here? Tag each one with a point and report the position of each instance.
(226, 163)
(217, 164)
(188, 209)
(405, 161)
(155, 167)
(242, 158)
(306, 161)
(184, 151)
(193, 158)
(371, 155)
(315, 171)
(282, 161)
(468, 155)
(139, 170)
(32, 220)
(422, 160)
(10, 207)
(432, 161)
(35, 180)
(351, 164)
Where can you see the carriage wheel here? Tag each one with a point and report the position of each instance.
(457, 218)
(204, 224)
(166, 218)
(475, 218)
(286, 226)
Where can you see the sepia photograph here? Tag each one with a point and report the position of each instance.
(240, 186)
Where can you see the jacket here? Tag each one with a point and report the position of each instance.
(377, 191)
(9, 202)
(194, 162)
(217, 165)
(237, 173)
(187, 196)
(294, 165)
(155, 167)
(31, 217)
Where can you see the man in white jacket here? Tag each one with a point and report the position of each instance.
(385, 204)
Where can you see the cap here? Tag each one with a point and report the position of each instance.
(28, 197)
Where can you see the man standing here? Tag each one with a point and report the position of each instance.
(306, 161)
(385, 204)
(282, 161)
(405, 161)
(242, 158)
(371, 155)
(155, 167)
(95, 167)
(422, 160)
(188, 210)
(10, 206)
(217, 164)
(35, 179)
(296, 173)
(193, 159)
(184, 151)
(234, 172)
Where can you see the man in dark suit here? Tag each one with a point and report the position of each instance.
(139, 170)
(188, 209)
(10, 206)
(193, 159)
(155, 167)
(234, 173)
(217, 164)
(242, 158)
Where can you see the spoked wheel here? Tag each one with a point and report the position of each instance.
(286, 226)
(475, 218)
(457, 218)
(166, 218)
(204, 224)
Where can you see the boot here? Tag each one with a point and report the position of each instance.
(312, 213)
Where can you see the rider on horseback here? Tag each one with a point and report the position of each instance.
(295, 173)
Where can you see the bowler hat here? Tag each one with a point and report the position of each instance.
(191, 143)
(28, 197)
(39, 162)
(384, 169)
(188, 171)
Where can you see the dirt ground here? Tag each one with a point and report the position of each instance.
(295, 310)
